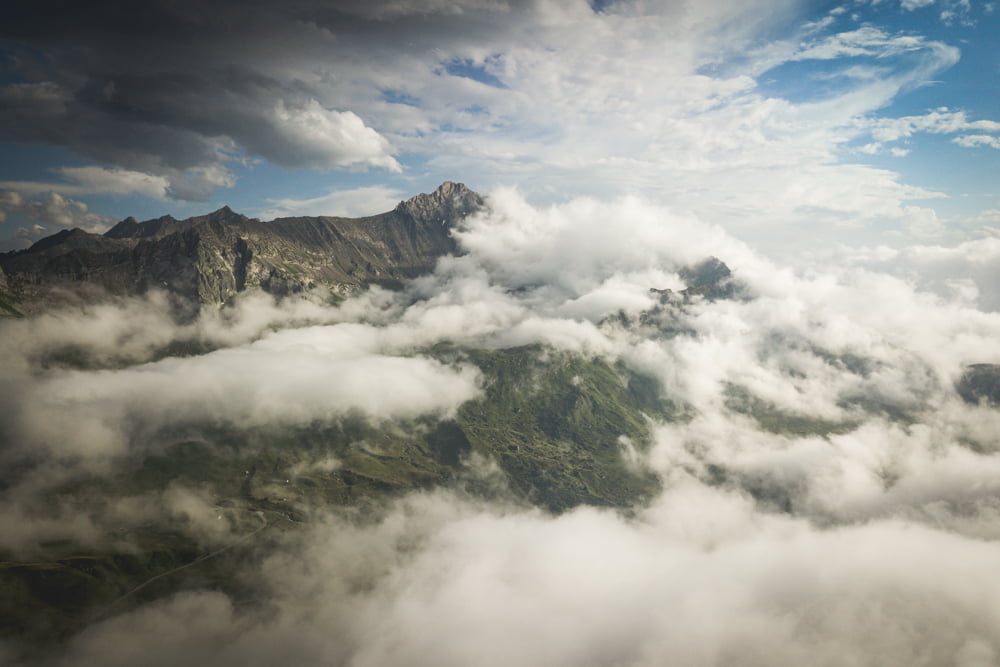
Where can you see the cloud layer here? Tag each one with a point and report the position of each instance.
(859, 527)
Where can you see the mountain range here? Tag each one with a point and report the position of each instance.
(208, 259)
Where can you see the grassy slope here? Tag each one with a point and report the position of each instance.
(552, 421)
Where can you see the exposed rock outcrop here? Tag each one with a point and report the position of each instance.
(709, 279)
(980, 383)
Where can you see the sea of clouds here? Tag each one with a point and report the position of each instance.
(873, 545)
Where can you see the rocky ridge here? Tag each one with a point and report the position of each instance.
(208, 259)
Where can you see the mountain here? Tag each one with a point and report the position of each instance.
(980, 383)
(207, 259)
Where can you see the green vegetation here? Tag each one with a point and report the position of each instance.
(775, 420)
(555, 422)
(557, 425)
(6, 305)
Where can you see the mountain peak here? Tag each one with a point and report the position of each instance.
(227, 252)
(448, 201)
(123, 229)
(226, 214)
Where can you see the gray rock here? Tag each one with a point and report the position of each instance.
(208, 259)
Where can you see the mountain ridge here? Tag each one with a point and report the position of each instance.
(208, 259)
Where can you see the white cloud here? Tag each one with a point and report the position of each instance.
(763, 548)
(976, 140)
(326, 138)
(943, 269)
(95, 180)
(357, 202)
(702, 578)
(285, 378)
(866, 41)
(54, 210)
(193, 184)
(939, 121)
(653, 98)
(102, 180)
(988, 216)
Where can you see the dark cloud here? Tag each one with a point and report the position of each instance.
(173, 86)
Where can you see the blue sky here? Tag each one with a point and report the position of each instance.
(866, 122)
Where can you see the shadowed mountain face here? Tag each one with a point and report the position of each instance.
(208, 259)
(980, 383)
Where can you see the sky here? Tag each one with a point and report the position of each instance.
(797, 126)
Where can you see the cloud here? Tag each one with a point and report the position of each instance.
(55, 210)
(502, 92)
(950, 9)
(821, 487)
(988, 216)
(98, 180)
(193, 184)
(702, 577)
(939, 121)
(312, 136)
(394, 9)
(357, 202)
(107, 410)
(976, 140)
(93, 180)
(118, 108)
(199, 183)
(969, 269)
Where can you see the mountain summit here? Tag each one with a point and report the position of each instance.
(208, 259)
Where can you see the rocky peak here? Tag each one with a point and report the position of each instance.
(449, 201)
(132, 228)
(226, 214)
(709, 279)
(207, 259)
(124, 229)
(62, 236)
(707, 272)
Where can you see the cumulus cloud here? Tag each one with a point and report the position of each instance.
(313, 136)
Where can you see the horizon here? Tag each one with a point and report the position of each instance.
(788, 123)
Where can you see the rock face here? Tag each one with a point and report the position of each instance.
(208, 259)
(980, 383)
(710, 279)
